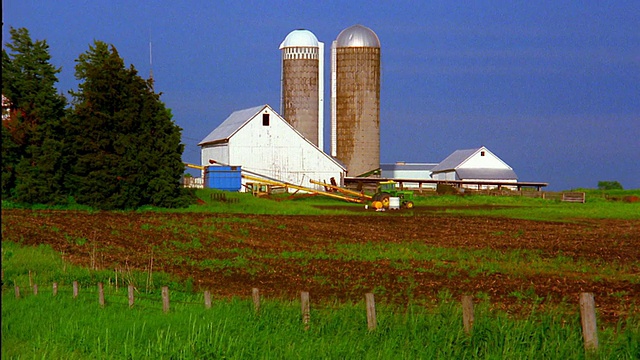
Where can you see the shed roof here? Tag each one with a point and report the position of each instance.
(408, 166)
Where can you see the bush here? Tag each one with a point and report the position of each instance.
(609, 185)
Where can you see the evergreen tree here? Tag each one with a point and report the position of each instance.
(128, 150)
(32, 136)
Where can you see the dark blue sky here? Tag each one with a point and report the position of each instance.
(551, 87)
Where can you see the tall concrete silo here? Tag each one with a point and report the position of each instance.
(355, 99)
(302, 100)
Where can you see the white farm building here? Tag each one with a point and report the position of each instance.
(474, 165)
(407, 171)
(261, 141)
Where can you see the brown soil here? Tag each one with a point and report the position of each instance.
(115, 240)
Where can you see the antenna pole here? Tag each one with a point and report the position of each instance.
(150, 63)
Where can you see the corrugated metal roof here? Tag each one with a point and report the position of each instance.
(455, 159)
(486, 174)
(410, 166)
(232, 124)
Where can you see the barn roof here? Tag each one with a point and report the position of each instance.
(455, 159)
(231, 125)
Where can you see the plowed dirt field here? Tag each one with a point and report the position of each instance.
(282, 255)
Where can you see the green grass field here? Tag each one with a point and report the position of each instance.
(46, 327)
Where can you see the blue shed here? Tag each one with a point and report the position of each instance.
(226, 178)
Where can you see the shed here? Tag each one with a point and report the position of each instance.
(261, 141)
(475, 165)
(406, 171)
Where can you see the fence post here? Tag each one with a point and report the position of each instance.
(35, 289)
(255, 294)
(75, 289)
(30, 280)
(17, 290)
(101, 294)
(467, 313)
(588, 320)
(371, 311)
(207, 299)
(165, 299)
(130, 295)
(306, 316)
(55, 288)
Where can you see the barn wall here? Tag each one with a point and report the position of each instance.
(449, 175)
(488, 161)
(219, 152)
(280, 152)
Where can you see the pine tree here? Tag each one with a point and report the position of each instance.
(127, 148)
(32, 137)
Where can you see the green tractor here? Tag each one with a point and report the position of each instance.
(386, 190)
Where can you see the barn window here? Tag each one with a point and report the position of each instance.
(265, 119)
(481, 153)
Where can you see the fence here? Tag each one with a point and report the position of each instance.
(587, 308)
(192, 182)
(548, 195)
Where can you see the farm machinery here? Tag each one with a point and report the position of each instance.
(387, 195)
(388, 190)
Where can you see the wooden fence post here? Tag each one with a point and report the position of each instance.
(372, 323)
(35, 289)
(306, 316)
(30, 280)
(255, 294)
(55, 288)
(467, 313)
(17, 290)
(131, 295)
(75, 289)
(207, 299)
(588, 320)
(165, 299)
(101, 294)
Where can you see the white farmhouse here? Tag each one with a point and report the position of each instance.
(260, 141)
(474, 165)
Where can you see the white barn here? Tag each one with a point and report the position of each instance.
(259, 140)
(477, 165)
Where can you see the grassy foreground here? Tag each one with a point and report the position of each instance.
(46, 327)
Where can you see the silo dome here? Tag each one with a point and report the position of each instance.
(357, 36)
(300, 38)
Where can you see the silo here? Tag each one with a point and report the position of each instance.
(355, 132)
(302, 84)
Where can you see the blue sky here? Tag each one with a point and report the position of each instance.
(551, 87)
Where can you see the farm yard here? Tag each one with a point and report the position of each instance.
(513, 263)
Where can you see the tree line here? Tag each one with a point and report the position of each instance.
(114, 146)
